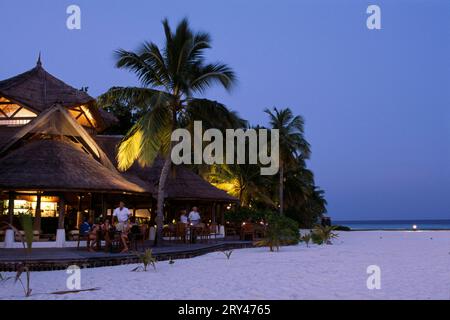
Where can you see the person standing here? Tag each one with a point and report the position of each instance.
(194, 216)
(123, 215)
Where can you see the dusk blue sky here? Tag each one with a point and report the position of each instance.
(376, 102)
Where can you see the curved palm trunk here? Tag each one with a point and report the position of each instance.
(160, 204)
(281, 189)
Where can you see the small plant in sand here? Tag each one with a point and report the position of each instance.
(281, 231)
(146, 259)
(228, 253)
(306, 239)
(26, 238)
(323, 234)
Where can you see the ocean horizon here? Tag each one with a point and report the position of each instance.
(421, 224)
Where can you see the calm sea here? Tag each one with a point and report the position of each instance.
(395, 224)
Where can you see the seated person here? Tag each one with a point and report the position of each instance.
(125, 233)
(107, 228)
(85, 227)
(183, 217)
(92, 237)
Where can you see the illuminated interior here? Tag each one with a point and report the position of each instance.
(13, 115)
(27, 204)
(83, 116)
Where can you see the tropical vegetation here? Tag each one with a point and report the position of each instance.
(174, 79)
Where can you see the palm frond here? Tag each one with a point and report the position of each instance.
(213, 115)
(148, 138)
(211, 74)
(147, 74)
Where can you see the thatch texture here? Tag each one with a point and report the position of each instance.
(56, 121)
(38, 90)
(183, 184)
(59, 165)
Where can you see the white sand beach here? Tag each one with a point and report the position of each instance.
(414, 265)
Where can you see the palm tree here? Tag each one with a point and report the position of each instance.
(243, 181)
(292, 142)
(170, 78)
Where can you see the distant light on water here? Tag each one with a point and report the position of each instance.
(414, 227)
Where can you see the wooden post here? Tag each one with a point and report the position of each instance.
(37, 214)
(221, 215)
(11, 207)
(104, 210)
(61, 212)
(90, 210)
(79, 210)
(213, 217)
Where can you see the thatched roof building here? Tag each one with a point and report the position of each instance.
(30, 93)
(60, 166)
(50, 147)
(54, 153)
(182, 183)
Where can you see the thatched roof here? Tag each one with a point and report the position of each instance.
(55, 153)
(6, 133)
(38, 90)
(59, 165)
(183, 184)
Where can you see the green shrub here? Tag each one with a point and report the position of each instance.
(26, 220)
(246, 214)
(323, 235)
(342, 228)
(280, 231)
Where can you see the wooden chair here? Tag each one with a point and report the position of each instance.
(115, 242)
(214, 230)
(181, 232)
(202, 231)
(260, 231)
(21, 235)
(169, 231)
(247, 230)
(137, 234)
(79, 237)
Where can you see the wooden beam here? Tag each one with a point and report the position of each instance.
(37, 215)
(11, 207)
(61, 212)
(2, 112)
(16, 112)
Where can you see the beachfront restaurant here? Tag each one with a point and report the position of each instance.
(56, 165)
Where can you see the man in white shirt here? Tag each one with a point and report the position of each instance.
(122, 214)
(194, 216)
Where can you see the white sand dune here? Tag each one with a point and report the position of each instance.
(414, 265)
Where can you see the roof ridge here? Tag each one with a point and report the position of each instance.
(21, 77)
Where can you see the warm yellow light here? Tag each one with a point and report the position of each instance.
(88, 114)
